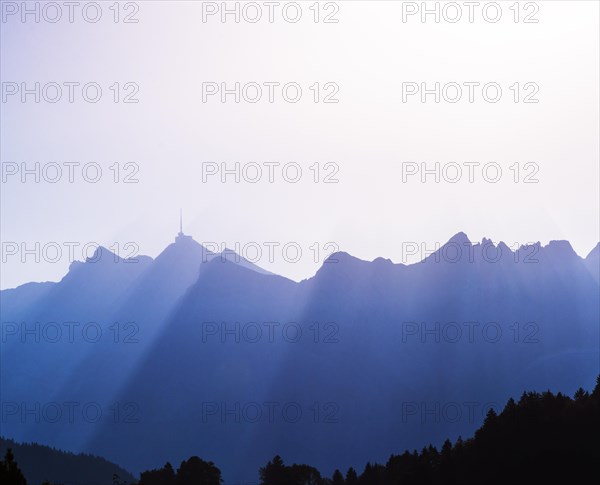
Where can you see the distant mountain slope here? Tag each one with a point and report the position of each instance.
(592, 261)
(39, 463)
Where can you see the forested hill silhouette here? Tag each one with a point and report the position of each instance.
(40, 464)
(544, 438)
(193, 471)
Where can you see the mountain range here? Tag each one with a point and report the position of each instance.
(200, 354)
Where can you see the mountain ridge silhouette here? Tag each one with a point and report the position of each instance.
(368, 343)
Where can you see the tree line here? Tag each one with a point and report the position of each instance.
(543, 438)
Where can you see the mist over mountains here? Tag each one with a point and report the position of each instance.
(192, 353)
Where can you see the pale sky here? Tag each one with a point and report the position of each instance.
(366, 137)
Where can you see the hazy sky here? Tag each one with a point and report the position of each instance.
(367, 138)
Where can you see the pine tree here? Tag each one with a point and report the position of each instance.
(337, 478)
(10, 473)
(351, 477)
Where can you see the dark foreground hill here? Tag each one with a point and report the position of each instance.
(544, 438)
(40, 463)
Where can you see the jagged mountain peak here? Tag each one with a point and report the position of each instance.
(459, 238)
